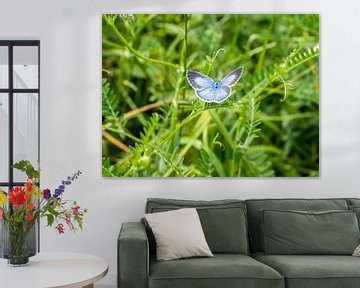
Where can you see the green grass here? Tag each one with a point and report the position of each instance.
(155, 126)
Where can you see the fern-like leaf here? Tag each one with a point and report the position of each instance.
(205, 165)
(141, 153)
(110, 102)
(256, 164)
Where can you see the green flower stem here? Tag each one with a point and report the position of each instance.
(185, 44)
(111, 44)
(204, 122)
(222, 129)
(253, 109)
(181, 80)
(18, 237)
(132, 50)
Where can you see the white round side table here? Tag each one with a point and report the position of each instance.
(50, 270)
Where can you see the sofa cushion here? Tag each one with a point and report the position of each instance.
(297, 232)
(223, 221)
(254, 207)
(178, 234)
(353, 201)
(222, 270)
(354, 205)
(356, 209)
(314, 271)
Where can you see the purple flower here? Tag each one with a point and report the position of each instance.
(68, 181)
(58, 192)
(46, 194)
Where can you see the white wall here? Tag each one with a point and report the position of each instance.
(70, 34)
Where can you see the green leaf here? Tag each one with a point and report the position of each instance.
(50, 219)
(110, 102)
(26, 167)
(205, 165)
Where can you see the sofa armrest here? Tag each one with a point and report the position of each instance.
(133, 256)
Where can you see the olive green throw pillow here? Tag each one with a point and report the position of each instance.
(356, 209)
(299, 232)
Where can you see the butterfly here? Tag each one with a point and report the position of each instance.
(209, 90)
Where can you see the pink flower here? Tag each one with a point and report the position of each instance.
(68, 219)
(60, 228)
(76, 209)
(1, 214)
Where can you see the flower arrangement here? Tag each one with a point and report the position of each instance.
(22, 206)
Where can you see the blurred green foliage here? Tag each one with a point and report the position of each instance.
(154, 125)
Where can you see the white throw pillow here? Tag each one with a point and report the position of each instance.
(178, 234)
(357, 251)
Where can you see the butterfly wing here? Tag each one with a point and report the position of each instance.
(199, 81)
(205, 89)
(206, 94)
(221, 94)
(232, 78)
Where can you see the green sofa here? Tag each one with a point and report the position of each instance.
(233, 230)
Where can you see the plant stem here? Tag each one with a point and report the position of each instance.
(134, 51)
(175, 109)
(147, 107)
(115, 142)
(204, 121)
(185, 47)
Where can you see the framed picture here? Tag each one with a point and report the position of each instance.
(210, 95)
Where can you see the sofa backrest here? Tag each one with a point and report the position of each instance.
(223, 221)
(256, 205)
(353, 202)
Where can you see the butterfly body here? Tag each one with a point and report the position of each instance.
(208, 90)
